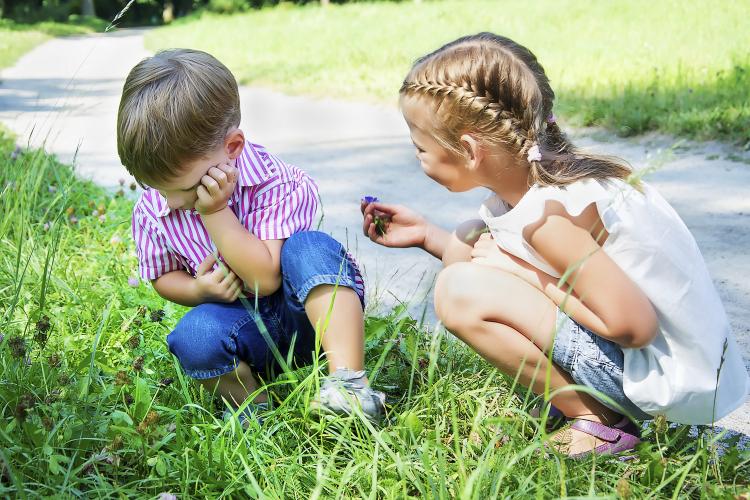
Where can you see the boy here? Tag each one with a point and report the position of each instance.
(208, 189)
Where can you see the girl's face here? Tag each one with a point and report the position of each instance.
(439, 163)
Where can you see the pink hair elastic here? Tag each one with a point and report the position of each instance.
(534, 154)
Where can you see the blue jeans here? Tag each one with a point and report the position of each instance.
(212, 338)
(593, 361)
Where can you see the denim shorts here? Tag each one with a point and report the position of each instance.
(212, 338)
(593, 361)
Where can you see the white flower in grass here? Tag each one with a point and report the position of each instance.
(115, 240)
(133, 281)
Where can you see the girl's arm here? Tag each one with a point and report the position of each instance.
(625, 314)
(406, 228)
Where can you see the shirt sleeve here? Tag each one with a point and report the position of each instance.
(282, 207)
(154, 256)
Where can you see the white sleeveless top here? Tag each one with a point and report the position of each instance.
(676, 375)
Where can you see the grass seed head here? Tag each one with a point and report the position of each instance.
(17, 347)
(138, 363)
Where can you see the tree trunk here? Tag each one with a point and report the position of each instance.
(87, 8)
(325, 2)
(167, 14)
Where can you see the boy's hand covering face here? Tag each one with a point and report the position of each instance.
(215, 189)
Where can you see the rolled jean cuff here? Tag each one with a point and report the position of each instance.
(340, 280)
(207, 374)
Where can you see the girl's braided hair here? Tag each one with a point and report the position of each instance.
(494, 88)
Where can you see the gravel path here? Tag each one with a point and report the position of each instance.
(65, 94)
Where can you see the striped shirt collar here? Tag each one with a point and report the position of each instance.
(255, 167)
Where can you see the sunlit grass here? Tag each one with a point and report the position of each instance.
(92, 403)
(675, 66)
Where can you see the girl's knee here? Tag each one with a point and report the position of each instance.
(455, 295)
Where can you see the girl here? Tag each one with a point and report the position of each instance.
(582, 264)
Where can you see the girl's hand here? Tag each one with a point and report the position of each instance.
(401, 227)
(487, 253)
(219, 285)
(216, 188)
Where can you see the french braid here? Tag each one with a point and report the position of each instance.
(496, 88)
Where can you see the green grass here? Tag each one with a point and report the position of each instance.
(16, 38)
(92, 404)
(678, 66)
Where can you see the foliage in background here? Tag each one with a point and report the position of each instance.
(92, 404)
(678, 66)
(141, 11)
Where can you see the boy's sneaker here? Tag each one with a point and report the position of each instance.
(248, 414)
(345, 387)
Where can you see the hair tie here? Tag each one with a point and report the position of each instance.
(551, 119)
(534, 154)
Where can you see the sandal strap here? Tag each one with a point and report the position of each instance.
(599, 430)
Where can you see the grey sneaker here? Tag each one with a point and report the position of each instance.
(247, 415)
(345, 387)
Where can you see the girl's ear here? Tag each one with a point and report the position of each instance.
(234, 142)
(474, 152)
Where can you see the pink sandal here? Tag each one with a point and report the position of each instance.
(622, 436)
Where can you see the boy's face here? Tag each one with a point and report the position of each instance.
(181, 192)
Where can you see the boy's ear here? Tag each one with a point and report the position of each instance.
(474, 152)
(234, 142)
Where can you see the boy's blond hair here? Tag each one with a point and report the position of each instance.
(176, 106)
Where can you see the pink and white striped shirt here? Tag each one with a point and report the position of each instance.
(272, 200)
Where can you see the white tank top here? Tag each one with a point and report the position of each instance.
(675, 375)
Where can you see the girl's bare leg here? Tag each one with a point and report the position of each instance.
(512, 324)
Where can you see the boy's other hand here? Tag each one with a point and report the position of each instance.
(403, 227)
(216, 188)
(217, 285)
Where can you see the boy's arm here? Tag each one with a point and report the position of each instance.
(218, 285)
(177, 287)
(257, 262)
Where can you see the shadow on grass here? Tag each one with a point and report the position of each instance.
(718, 107)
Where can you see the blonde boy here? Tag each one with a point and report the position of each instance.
(210, 191)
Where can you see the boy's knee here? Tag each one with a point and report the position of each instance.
(299, 244)
(202, 344)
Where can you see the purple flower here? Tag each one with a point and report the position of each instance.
(167, 496)
(102, 218)
(52, 189)
(370, 199)
(134, 281)
(95, 213)
(46, 226)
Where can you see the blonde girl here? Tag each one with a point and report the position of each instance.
(582, 264)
